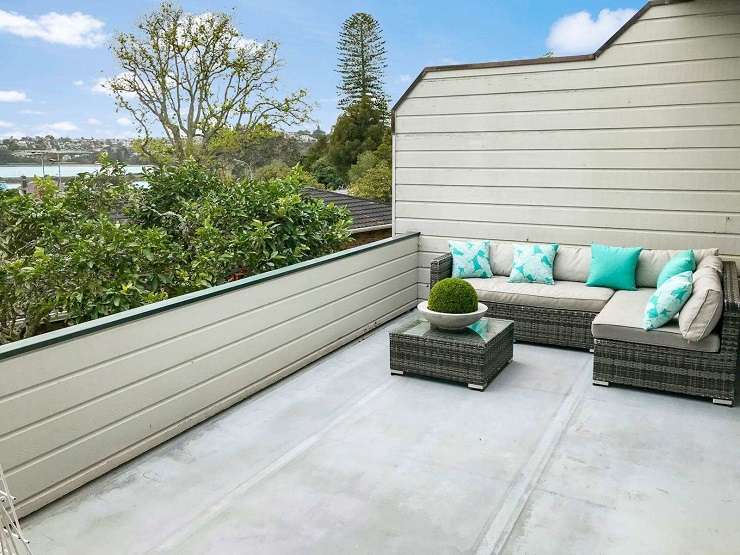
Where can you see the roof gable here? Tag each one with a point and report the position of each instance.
(533, 61)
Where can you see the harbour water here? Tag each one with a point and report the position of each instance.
(67, 170)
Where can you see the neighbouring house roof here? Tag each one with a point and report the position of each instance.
(532, 61)
(367, 215)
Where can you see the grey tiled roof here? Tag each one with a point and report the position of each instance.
(365, 213)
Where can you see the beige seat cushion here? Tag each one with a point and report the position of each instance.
(621, 320)
(652, 261)
(702, 311)
(568, 295)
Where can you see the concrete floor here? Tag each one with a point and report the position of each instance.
(344, 458)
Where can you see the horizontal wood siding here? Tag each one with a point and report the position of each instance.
(69, 410)
(639, 146)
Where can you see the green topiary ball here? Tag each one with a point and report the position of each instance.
(453, 296)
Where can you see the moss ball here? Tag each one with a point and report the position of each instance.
(453, 296)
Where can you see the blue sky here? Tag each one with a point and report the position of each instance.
(51, 61)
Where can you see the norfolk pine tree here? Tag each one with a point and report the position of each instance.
(362, 62)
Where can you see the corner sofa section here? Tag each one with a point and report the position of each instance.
(663, 361)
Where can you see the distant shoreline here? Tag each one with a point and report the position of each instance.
(51, 163)
(14, 173)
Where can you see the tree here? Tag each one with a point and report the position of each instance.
(326, 174)
(361, 127)
(365, 162)
(375, 184)
(242, 153)
(195, 75)
(362, 62)
(370, 158)
(317, 150)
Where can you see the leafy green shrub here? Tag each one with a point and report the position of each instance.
(453, 296)
(104, 245)
(375, 184)
(244, 228)
(169, 187)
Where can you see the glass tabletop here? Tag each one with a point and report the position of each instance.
(482, 331)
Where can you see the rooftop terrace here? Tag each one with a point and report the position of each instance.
(342, 457)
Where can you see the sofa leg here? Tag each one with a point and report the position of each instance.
(724, 402)
(601, 382)
(591, 350)
(476, 387)
(397, 372)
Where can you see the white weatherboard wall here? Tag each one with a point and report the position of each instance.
(638, 147)
(74, 409)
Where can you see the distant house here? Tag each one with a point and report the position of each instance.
(371, 220)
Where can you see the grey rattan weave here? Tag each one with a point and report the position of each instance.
(679, 370)
(473, 356)
(550, 326)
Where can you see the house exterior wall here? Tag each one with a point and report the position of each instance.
(79, 402)
(637, 146)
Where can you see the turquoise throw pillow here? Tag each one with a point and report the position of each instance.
(470, 259)
(667, 300)
(613, 267)
(533, 264)
(682, 262)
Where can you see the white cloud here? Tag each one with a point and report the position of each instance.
(73, 29)
(124, 121)
(102, 85)
(6, 124)
(250, 45)
(57, 128)
(13, 96)
(93, 121)
(579, 33)
(62, 126)
(78, 83)
(405, 78)
(33, 112)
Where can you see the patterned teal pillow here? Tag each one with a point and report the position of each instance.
(533, 264)
(470, 259)
(667, 300)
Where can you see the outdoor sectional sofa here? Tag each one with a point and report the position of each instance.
(572, 314)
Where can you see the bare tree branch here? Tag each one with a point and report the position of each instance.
(188, 77)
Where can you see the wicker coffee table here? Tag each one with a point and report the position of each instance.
(473, 356)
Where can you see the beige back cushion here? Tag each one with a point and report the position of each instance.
(502, 257)
(652, 261)
(572, 264)
(713, 262)
(701, 313)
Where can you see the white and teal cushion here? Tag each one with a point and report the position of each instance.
(533, 264)
(668, 300)
(470, 259)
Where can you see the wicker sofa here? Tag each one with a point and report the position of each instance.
(564, 315)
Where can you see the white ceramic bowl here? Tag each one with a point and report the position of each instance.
(445, 321)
